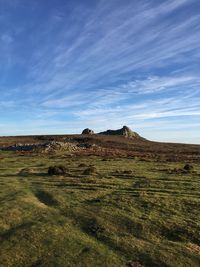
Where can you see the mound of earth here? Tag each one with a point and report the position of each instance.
(124, 131)
(87, 131)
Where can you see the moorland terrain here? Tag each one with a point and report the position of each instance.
(106, 199)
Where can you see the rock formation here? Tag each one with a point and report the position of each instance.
(124, 131)
(87, 131)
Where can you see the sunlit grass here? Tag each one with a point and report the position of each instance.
(127, 212)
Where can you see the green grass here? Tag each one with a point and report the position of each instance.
(128, 213)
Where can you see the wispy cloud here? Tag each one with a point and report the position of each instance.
(134, 42)
(125, 92)
(6, 38)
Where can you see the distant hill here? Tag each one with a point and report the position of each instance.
(112, 143)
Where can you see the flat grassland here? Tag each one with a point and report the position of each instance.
(127, 211)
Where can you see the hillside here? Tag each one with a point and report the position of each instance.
(98, 200)
(102, 145)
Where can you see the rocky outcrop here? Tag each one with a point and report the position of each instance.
(46, 147)
(124, 131)
(87, 131)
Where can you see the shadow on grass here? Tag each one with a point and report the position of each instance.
(92, 227)
(6, 235)
(46, 198)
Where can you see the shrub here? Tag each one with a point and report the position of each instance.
(93, 228)
(188, 167)
(90, 170)
(127, 172)
(82, 165)
(57, 170)
(26, 171)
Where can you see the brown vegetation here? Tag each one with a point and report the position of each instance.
(57, 170)
(109, 146)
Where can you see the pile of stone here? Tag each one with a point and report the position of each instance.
(46, 147)
(63, 146)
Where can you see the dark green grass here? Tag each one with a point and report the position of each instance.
(128, 213)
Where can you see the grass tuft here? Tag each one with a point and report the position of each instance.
(57, 170)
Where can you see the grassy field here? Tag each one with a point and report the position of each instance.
(128, 212)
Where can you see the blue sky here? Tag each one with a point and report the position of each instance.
(66, 65)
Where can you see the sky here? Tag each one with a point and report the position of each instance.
(66, 65)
